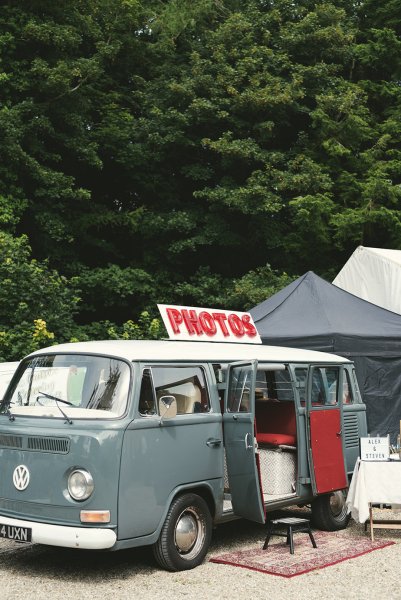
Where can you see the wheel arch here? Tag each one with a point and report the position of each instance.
(205, 493)
(203, 489)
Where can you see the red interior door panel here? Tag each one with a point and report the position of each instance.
(327, 450)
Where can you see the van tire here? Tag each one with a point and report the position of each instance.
(186, 533)
(329, 511)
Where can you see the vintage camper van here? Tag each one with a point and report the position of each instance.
(117, 444)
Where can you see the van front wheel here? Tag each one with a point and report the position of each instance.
(329, 511)
(186, 533)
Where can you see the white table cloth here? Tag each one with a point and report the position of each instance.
(373, 482)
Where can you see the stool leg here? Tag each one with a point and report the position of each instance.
(291, 540)
(268, 536)
(312, 539)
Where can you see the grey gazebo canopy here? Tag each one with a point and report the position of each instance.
(312, 313)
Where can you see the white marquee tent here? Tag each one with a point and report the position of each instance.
(373, 274)
(7, 370)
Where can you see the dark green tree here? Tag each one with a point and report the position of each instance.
(37, 305)
(202, 152)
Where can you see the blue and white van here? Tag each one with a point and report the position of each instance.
(119, 444)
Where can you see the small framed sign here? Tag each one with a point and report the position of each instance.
(375, 448)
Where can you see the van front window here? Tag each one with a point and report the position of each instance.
(77, 384)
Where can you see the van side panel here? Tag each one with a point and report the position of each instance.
(156, 458)
(354, 425)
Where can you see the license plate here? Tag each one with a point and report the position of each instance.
(13, 532)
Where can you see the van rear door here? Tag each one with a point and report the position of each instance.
(325, 439)
(240, 444)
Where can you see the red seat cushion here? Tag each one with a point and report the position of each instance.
(276, 439)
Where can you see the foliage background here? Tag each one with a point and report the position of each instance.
(202, 152)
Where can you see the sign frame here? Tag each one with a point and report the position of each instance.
(208, 324)
(374, 448)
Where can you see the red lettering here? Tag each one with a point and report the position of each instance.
(236, 325)
(250, 329)
(208, 324)
(175, 318)
(191, 322)
(220, 318)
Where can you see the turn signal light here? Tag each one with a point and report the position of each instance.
(95, 516)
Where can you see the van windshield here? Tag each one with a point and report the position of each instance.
(82, 386)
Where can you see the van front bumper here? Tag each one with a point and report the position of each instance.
(87, 538)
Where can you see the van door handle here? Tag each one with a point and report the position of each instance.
(213, 442)
(248, 445)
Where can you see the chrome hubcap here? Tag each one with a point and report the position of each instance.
(337, 504)
(189, 534)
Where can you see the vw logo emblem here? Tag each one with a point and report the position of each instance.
(21, 477)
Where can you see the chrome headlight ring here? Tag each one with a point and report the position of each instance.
(80, 484)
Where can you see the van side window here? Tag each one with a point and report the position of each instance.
(332, 376)
(186, 384)
(283, 385)
(325, 385)
(347, 389)
(301, 374)
(239, 389)
(274, 384)
(147, 404)
(262, 391)
(357, 397)
(318, 393)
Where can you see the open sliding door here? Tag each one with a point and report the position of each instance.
(241, 455)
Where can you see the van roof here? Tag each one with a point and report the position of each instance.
(147, 350)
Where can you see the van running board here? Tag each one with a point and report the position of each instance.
(267, 498)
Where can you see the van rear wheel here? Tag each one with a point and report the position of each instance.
(329, 511)
(186, 533)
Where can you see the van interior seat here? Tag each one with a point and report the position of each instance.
(276, 423)
(187, 403)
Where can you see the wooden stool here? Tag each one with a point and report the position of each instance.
(292, 525)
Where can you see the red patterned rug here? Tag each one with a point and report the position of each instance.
(332, 548)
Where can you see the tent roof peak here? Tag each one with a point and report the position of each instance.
(311, 306)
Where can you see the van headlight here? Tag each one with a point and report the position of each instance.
(80, 484)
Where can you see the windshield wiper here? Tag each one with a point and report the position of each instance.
(9, 413)
(7, 410)
(57, 400)
(5, 407)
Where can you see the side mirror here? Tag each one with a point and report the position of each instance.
(167, 407)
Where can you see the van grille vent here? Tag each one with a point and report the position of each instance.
(10, 441)
(351, 437)
(48, 444)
